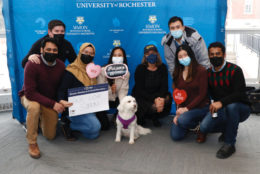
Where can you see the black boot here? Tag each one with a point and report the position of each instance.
(66, 130)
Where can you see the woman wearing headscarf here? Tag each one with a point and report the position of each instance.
(75, 76)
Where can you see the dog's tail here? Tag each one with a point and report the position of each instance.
(143, 131)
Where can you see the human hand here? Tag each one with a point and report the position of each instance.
(113, 88)
(65, 103)
(34, 58)
(161, 101)
(159, 104)
(215, 106)
(175, 119)
(181, 110)
(58, 107)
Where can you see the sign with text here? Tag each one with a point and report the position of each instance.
(114, 71)
(88, 99)
(179, 96)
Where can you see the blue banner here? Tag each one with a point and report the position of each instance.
(131, 24)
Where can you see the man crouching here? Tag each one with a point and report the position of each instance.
(39, 92)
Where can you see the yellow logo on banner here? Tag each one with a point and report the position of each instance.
(80, 20)
(116, 43)
(152, 18)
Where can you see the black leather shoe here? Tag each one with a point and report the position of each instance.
(225, 151)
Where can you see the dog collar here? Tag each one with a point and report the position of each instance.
(126, 122)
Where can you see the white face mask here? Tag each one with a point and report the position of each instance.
(117, 60)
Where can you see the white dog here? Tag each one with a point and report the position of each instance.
(126, 120)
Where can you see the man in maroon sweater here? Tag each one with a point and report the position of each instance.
(39, 92)
(227, 88)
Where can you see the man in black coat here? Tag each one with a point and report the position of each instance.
(56, 29)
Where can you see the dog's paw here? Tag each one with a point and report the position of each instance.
(131, 142)
(117, 140)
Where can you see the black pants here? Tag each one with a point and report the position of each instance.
(146, 109)
(102, 116)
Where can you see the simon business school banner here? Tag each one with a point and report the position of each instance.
(131, 24)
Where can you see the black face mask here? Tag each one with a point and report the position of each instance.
(59, 38)
(216, 61)
(86, 58)
(50, 57)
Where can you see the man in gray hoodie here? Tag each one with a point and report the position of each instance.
(179, 35)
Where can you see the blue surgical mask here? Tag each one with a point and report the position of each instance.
(152, 58)
(185, 61)
(177, 33)
(116, 60)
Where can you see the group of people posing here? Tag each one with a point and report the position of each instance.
(215, 89)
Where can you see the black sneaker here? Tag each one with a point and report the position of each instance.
(221, 138)
(225, 151)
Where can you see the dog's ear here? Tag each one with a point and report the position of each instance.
(120, 107)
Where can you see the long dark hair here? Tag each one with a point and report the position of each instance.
(112, 52)
(111, 81)
(179, 67)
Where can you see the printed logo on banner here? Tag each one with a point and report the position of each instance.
(188, 21)
(115, 4)
(116, 22)
(153, 27)
(80, 20)
(152, 19)
(116, 43)
(41, 22)
(78, 28)
(116, 25)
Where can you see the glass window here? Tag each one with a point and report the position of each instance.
(243, 38)
(248, 7)
(4, 74)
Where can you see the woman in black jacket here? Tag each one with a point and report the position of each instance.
(151, 88)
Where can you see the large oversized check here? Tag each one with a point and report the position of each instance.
(88, 99)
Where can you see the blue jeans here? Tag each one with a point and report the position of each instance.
(87, 124)
(187, 120)
(227, 121)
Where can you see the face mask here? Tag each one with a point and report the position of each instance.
(117, 60)
(86, 58)
(59, 38)
(176, 33)
(152, 58)
(216, 61)
(185, 61)
(50, 57)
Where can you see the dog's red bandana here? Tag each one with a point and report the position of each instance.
(126, 122)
